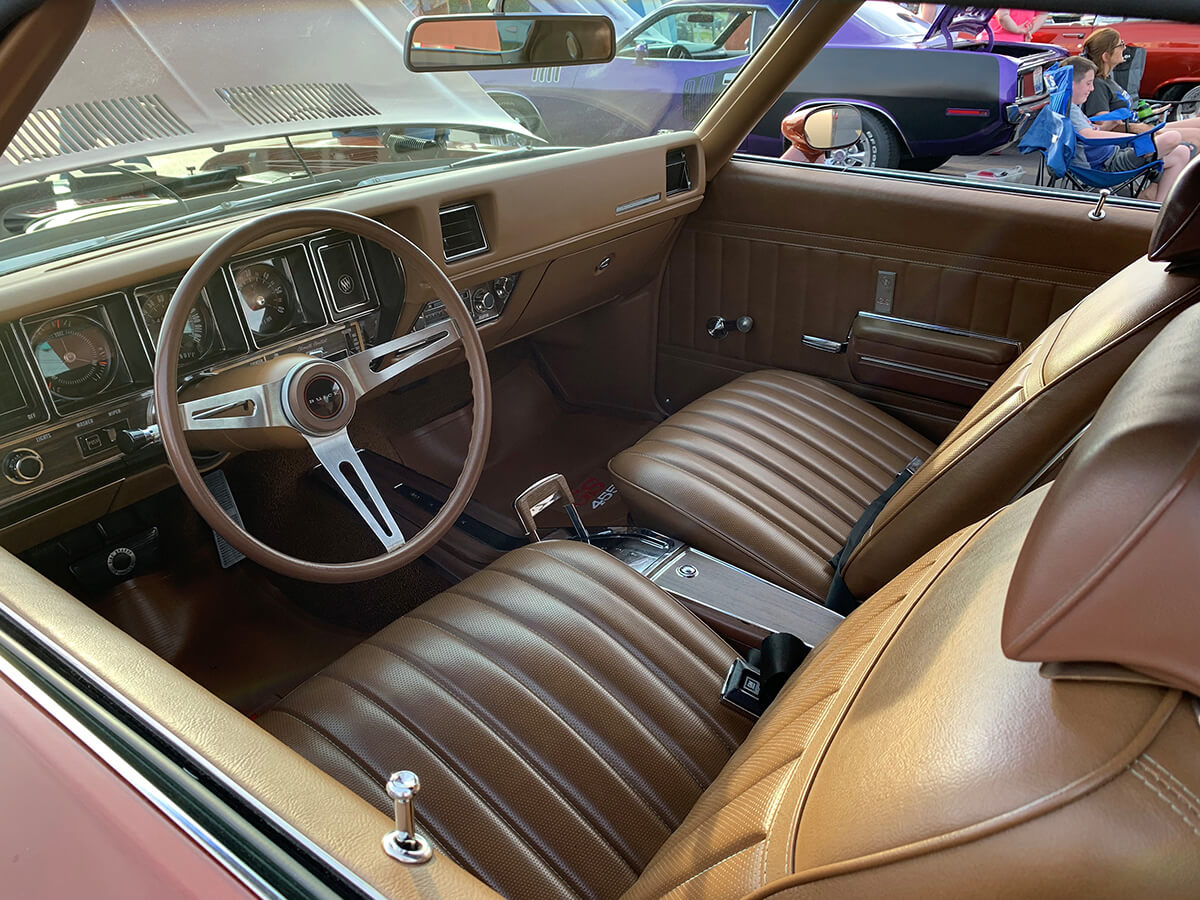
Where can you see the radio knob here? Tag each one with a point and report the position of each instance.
(23, 466)
(485, 301)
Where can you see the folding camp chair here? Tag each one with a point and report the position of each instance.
(1053, 136)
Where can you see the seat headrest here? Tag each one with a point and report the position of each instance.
(1110, 569)
(1176, 237)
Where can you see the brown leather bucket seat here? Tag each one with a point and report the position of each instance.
(772, 471)
(562, 711)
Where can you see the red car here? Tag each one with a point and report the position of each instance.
(1172, 49)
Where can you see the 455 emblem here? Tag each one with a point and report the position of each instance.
(595, 492)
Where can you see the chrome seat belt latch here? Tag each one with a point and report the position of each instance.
(404, 844)
(542, 495)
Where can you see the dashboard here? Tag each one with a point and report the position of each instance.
(74, 377)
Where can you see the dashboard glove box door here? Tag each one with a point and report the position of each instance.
(928, 360)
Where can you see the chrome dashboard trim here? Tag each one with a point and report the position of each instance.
(134, 712)
(638, 204)
(131, 776)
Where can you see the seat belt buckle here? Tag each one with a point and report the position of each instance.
(743, 689)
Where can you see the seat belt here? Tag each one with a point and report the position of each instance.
(752, 683)
(839, 598)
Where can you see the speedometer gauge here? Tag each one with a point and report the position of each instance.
(199, 333)
(75, 355)
(267, 299)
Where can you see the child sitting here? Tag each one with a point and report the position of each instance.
(1119, 158)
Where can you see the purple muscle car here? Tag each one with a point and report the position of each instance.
(926, 93)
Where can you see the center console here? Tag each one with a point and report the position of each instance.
(741, 607)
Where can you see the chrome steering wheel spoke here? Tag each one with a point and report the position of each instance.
(258, 406)
(338, 455)
(374, 367)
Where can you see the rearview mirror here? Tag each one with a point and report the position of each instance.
(458, 43)
(833, 127)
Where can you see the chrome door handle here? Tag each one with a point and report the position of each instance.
(823, 344)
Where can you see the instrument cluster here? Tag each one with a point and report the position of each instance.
(72, 378)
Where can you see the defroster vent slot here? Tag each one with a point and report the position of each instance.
(462, 232)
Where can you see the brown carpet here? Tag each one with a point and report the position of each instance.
(232, 631)
(533, 435)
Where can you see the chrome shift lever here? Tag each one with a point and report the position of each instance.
(541, 496)
(404, 843)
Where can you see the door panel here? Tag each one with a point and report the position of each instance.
(800, 250)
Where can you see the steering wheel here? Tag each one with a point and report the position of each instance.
(678, 51)
(295, 399)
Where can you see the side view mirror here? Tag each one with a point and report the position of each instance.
(467, 42)
(832, 127)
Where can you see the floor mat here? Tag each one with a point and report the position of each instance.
(533, 435)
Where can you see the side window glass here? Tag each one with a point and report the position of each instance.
(943, 98)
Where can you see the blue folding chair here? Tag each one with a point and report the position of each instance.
(1052, 135)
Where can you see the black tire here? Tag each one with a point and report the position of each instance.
(879, 146)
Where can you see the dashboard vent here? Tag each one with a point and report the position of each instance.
(60, 130)
(268, 104)
(678, 178)
(462, 232)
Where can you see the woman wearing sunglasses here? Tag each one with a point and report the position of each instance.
(1105, 48)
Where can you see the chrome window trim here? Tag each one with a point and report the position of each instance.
(1029, 190)
(147, 722)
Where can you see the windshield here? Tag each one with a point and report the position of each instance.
(169, 112)
(172, 112)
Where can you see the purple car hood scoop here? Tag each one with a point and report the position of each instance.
(952, 20)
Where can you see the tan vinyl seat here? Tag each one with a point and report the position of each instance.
(1012, 716)
(772, 471)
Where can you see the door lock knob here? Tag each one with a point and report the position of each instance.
(404, 844)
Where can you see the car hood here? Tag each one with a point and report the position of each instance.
(952, 19)
(140, 83)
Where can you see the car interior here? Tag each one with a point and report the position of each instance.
(508, 476)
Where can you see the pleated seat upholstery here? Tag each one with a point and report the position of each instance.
(769, 472)
(555, 694)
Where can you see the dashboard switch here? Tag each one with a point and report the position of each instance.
(23, 466)
(103, 439)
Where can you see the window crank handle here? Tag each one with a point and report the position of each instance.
(718, 326)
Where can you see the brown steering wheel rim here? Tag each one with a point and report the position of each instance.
(420, 270)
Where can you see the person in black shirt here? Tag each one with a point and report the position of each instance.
(1105, 48)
